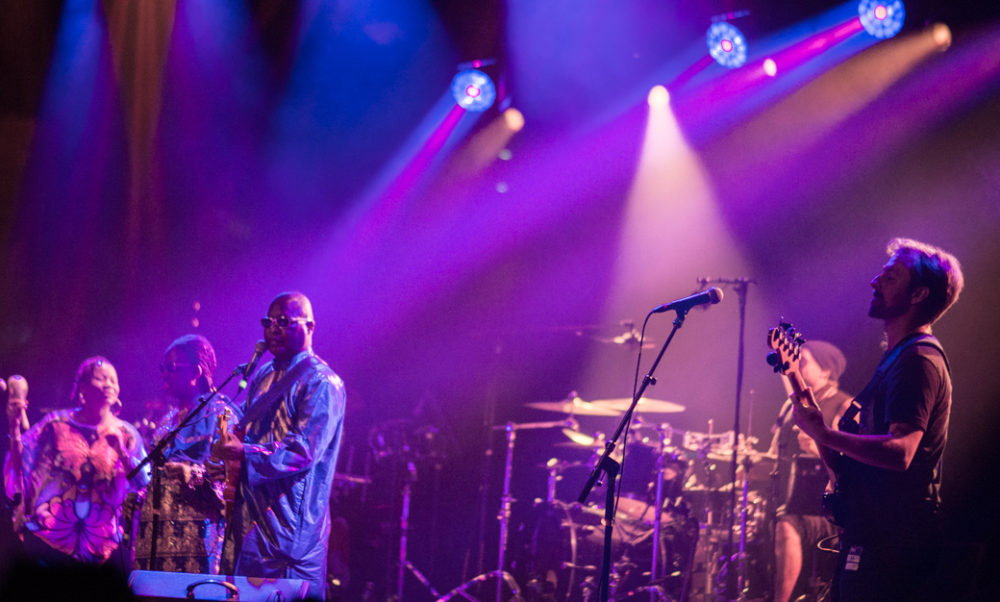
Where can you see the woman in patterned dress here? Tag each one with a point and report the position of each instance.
(71, 471)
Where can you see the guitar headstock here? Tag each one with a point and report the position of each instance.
(786, 347)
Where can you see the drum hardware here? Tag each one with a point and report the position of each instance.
(619, 570)
(629, 339)
(406, 440)
(351, 480)
(403, 445)
(404, 527)
(660, 473)
(655, 591)
(422, 579)
(503, 578)
(555, 468)
(506, 499)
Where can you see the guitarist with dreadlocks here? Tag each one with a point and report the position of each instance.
(891, 469)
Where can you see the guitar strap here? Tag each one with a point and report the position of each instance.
(267, 402)
(919, 339)
(848, 422)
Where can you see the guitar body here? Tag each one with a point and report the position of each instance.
(835, 501)
(232, 468)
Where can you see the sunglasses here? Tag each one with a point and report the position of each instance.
(171, 367)
(282, 321)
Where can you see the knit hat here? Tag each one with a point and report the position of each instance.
(828, 357)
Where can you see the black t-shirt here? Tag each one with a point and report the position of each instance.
(911, 386)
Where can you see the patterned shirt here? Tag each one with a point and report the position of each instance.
(74, 483)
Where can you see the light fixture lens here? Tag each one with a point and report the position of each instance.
(473, 90)
(726, 44)
(880, 18)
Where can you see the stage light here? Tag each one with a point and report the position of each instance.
(882, 18)
(726, 44)
(942, 35)
(473, 90)
(514, 119)
(770, 67)
(659, 97)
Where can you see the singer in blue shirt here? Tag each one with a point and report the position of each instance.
(291, 431)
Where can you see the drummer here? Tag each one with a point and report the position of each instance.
(799, 523)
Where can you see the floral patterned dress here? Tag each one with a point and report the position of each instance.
(74, 484)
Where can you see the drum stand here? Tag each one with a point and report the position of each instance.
(404, 526)
(506, 499)
(655, 591)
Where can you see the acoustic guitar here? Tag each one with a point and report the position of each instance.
(232, 469)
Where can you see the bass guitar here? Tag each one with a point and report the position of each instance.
(786, 351)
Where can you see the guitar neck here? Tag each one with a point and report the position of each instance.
(795, 383)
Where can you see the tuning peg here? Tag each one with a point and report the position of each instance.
(772, 359)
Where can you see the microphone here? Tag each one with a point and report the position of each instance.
(17, 386)
(711, 296)
(258, 351)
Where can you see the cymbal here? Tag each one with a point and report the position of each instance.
(646, 405)
(581, 439)
(573, 406)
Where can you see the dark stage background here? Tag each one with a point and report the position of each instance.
(168, 167)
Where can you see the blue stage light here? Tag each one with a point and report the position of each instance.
(882, 18)
(473, 90)
(726, 44)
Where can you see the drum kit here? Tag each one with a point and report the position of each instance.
(672, 516)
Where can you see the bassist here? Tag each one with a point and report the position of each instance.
(890, 471)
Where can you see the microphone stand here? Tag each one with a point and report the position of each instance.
(610, 467)
(741, 285)
(156, 457)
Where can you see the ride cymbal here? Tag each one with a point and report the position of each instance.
(645, 405)
(574, 406)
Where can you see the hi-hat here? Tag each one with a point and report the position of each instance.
(574, 406)
(646, 405)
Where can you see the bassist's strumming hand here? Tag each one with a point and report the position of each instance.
(807, 415)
